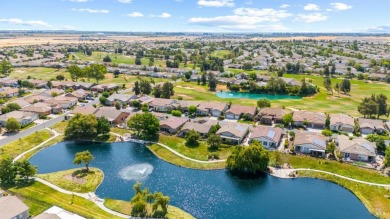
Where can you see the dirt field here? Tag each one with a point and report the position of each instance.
(335, 38)
(74, 39)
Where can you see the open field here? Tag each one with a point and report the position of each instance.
(40, 197)
(125, 207)
(199, 152)
(75, 180)
(375, 198)
(38, 73)
(116, 58)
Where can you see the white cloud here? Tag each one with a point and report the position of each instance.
(125, 1)
(310, 18)
(216, 3)
(93, 11)
(284, 6)
(245, 19)
(135, 14)
(311, 7)
(164, 15)
(69, 27)
(79, 1)
(17, 21)
(249, 2)
(340, 6)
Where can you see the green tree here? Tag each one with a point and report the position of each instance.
(386, 160)
(277, 159)
(192, 110)
(331, 147)
(157, 91)
(136, 88)
(368, 107)
(176, 113)
(145, 87)
(116, 73)
(167, 90)
(25, 169)
(212, 82)
(328, 85)
(381, 100)
(138, 61)
(162, 201)
(103, 126)
(12, 125)
(75, 72)
(98, 71)
(49, 84)
(214, 129)
(345, 86)
(118, 105)
(103, 100)
(192, 138)
(380, 145)
(60, 77)
(84, 157)
(6, 67)
(81, 126)
(333, 70)
(8, 171)
(107, 59)
(263, 103)
(288, 119)
(214, 141)
(326, 71)
(13, 106)
(249, 160)
(145, 125)
(204, 79)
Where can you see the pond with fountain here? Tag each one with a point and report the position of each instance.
(204, 194)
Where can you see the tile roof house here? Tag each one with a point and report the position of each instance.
(214, 109)
(38, 83)
(13, 208)
(233, 133)
(356, 149)
(84, 110)
(24, 118)
(268, 136)
(21, 102)
(202, 129)
(57, 213)
(162, 105)
(114, 116)
(173, 124)
(42, 109)
(37, 98)
(236, 111)
(9, 92)
(369, 126)
(62, 102)
(269, 115)
(310, 143)
(80, 94)
(104, 87)
(124, 99)
(313, 119)
(342, 122)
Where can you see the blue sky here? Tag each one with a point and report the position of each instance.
(197, 15)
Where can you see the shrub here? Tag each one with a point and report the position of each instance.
(327, 132)
(176, 113)
(213, 156)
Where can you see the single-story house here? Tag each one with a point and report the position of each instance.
(369, 126)
(356, 149)
(342, 122)
(84, 110)
(114, 116)
(12, 207)
(9, 92)
(104, 87)
(268, 136)
(38, 83)
(310, 143)
(173, 124)
(272, 115)
(62, 102)
(24, 118)
(21, 102)
(236, 111)
(233, 133)
(80, 94)
(313, 119)
(214, 109)
(202, 129)
(10, 83)
(124, 99)
(57, 213)
(162, 105)
(42, 109)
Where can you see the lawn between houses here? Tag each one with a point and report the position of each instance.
(125, 207)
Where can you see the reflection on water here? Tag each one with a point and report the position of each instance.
(204, 194)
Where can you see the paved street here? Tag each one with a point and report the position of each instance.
(31, 130)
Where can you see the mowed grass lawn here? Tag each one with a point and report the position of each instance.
(38, 73)
(75, 180)
(125, 207)
(17, 147)
(199, 152)
(116, 58)
(321, 102)
(40, 197)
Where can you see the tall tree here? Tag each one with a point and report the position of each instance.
(6, 67)
(136, 88)
(103, 126)
(12, 125)
(368, 107)
(80, 126)
(8, 171)
(333, 70)
(204, 79)
(167, 90)
(249, 160)
(145, 125)
(345, 86)
(192, 138)
(25, 169)
(157, 91)
(381, 100)
(83, 157)
(214, 141)
(98, 71)
(212, 81)
(263, 103)
(326, 71)
(75, 72)
(328, 84)
(145, 87)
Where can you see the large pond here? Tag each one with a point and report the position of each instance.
(205, 194)
(243, 95)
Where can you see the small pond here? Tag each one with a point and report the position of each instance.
(243, 95)
(204, 194)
